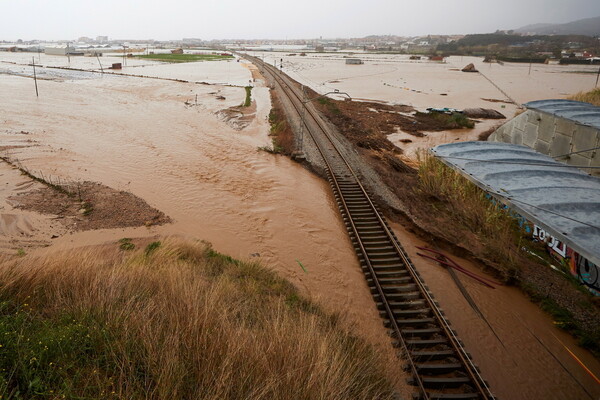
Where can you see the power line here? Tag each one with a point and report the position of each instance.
(577, 152)
(545, 210)
(558, 165)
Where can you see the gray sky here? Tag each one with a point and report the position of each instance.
(276, 19)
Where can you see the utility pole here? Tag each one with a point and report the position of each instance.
(34, 77)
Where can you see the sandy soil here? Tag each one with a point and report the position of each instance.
(422, 84)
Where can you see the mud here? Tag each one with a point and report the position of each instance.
(238, 117)
(88, 205)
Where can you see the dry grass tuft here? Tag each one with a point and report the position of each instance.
(472, 208)
(593, 97)
(174, 321)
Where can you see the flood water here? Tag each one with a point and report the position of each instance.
(139, 135)
(422, 84)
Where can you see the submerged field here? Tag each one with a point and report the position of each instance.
(168, 143)
(178, 58)
(171, 319)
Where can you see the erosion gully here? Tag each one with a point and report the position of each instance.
(440, 366)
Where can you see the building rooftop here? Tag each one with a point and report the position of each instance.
(577, 111)
(560, 198)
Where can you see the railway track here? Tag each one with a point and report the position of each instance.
(439, 364)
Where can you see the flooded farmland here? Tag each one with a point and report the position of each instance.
(165, 142)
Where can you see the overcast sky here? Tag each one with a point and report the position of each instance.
(276, 19)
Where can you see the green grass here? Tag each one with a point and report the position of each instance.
(87, 208)
(331, 106)
(126, 244)
(151, 247)
(592, 97)
(178, 58)
(248, 100)
(450, 121)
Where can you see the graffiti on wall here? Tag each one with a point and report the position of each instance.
(584, 270)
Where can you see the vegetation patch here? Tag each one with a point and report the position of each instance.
(473, 210)
(126, 244)
(248, 99)
(445, 121)
(182, 321)
(588, 336)
(282, 136)
(179, 58)
(593, 97)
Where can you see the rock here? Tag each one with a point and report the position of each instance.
(485, 113)
(469, 68)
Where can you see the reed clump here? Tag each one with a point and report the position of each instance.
(593, 97)
(493, 225)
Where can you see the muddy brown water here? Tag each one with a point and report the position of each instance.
(139, 135)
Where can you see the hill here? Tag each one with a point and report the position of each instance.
(587, 26)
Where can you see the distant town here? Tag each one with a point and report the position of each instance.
(500, 45)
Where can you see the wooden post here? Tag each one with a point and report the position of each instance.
(597, 76)
(98, 58)
(35, 77)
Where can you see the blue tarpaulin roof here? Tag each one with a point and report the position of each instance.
(558, 197)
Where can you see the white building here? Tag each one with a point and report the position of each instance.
(56, 50)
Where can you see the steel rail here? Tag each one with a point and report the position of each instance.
(471, 370)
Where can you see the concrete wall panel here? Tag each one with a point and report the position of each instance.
(553, 136)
